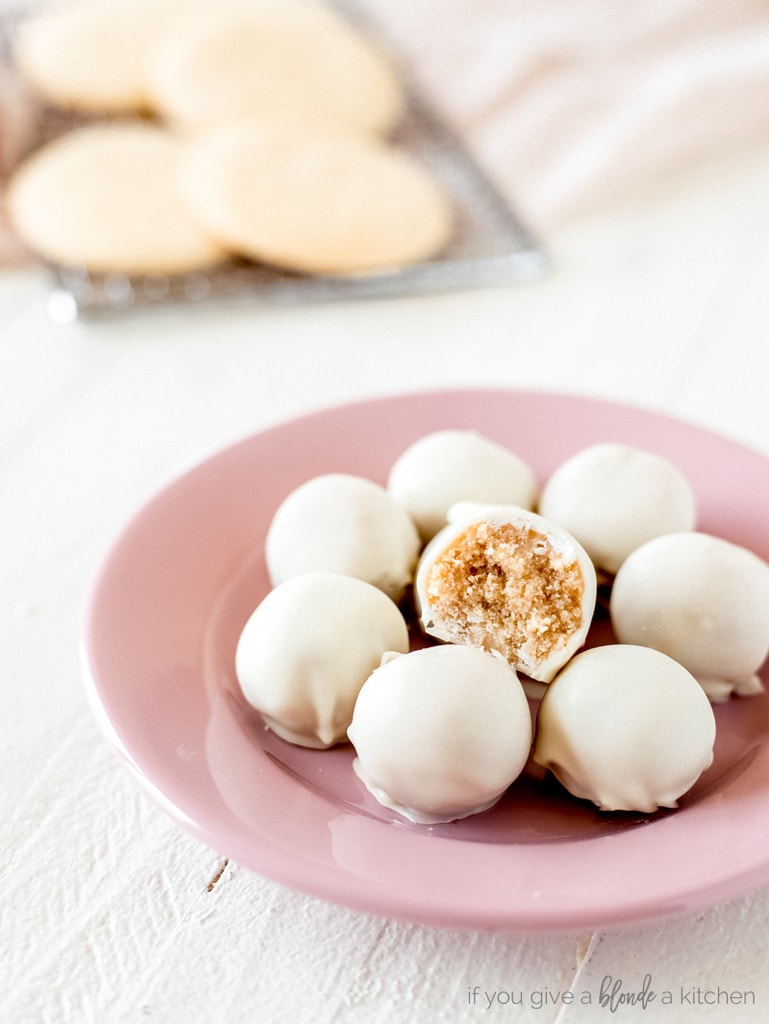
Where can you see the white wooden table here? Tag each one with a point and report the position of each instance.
(108, 910)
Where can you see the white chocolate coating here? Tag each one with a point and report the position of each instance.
(704, 601)
(508, 580)
(613, 498)
(307, 649)
(448, 466)
(346, 524)
(441, 733)
(626, 727)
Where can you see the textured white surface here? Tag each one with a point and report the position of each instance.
(110, 913)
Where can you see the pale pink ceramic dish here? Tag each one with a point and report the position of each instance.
(180, 582)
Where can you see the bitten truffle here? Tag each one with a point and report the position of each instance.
(506, 579)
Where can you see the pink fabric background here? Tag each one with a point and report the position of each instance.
(569, 103)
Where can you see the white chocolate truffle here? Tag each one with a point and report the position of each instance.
(704, 601)
(508, 580)
(441, 733)
(307, 649)
(626, 727)
(346, 524)
(449, 466)
(613, 498)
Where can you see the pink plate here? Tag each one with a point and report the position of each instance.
(176, 589)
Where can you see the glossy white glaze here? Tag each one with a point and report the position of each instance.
(307, 649)
(626, 727)
(704, 601)
(448, 466)
(441, 733)
(614, 497)
(342, 523)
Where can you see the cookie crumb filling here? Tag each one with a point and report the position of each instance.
(507, 587)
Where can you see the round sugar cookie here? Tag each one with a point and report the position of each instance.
(107, 197)
(290, 61)
(316, 203)
(91, 55)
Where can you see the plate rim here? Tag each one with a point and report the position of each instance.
(342, 891)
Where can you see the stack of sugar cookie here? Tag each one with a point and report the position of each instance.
(261, 129)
